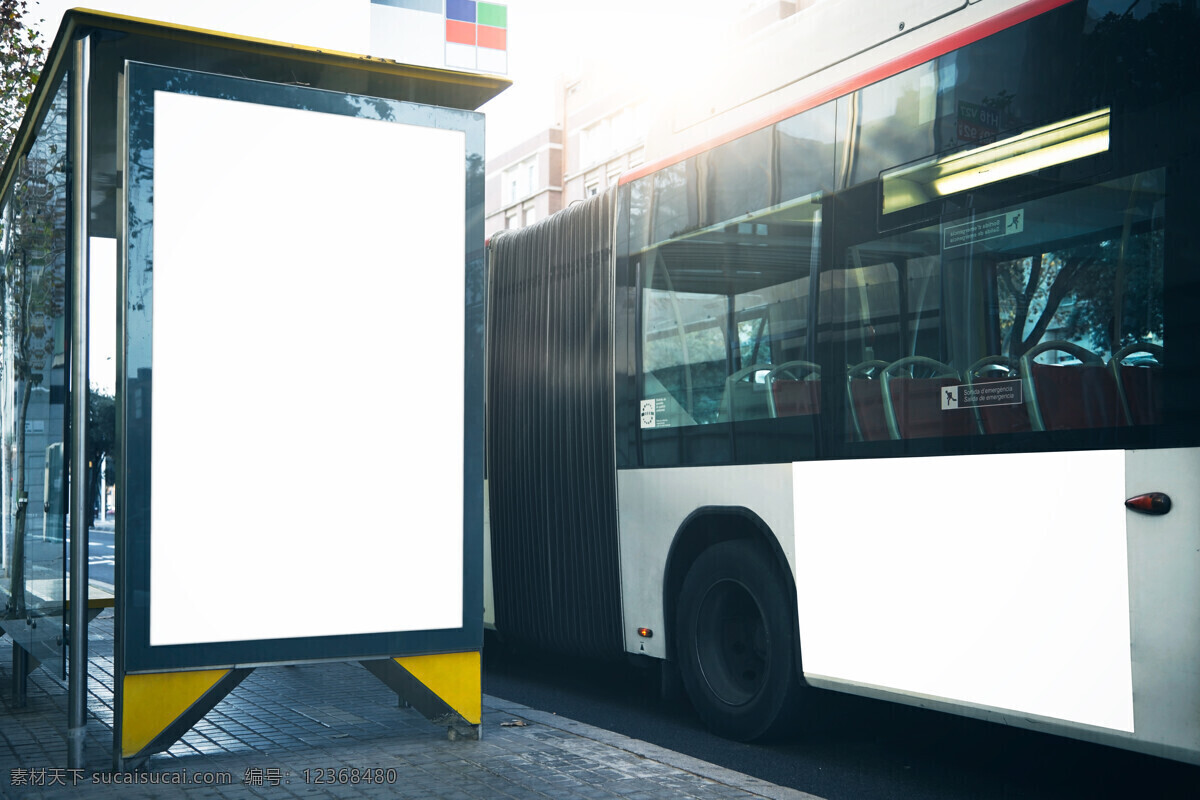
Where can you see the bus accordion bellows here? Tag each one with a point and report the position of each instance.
(853, 397)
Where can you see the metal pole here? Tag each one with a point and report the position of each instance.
(80, 513)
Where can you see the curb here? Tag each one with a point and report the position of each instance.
(670, 758)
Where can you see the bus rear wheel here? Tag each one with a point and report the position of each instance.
(734, 642)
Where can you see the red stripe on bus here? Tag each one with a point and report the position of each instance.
(460, 32)
(950, 43)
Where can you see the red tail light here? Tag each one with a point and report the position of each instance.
(1156, 503)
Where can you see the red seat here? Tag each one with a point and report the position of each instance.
(1140, 384)
(913, 389)
(1007, 418)
(1073, 396)
(1070, 396)
(1003, 419)
(863, 389)
(918, 406)
(1143, 388)
(795, 398)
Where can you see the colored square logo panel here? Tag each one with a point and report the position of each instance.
(460, 32)
(408, 34)
(494, 38)
(461, 56)
(476, 35)
(492, 60)
(461, 10)
(493, 15)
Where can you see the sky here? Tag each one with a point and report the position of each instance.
(636, 40)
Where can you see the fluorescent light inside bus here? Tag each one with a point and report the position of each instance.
(1028, 152)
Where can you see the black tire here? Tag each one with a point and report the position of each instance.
(735, 635)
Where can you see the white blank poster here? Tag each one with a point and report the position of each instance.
(1000, 580)
(308, 341)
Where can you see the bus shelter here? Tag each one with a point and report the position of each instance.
(297, 242)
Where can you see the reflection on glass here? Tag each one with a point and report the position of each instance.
(721, 310)
(1050, 145)
(33, 250)
(725, 242)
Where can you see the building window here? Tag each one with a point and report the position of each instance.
(595, 143)
(625, 133)
(612, 135)
(520, 180)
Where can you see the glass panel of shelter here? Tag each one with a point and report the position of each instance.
(34, 253)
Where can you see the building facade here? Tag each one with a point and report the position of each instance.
(524, 184)
(601, 134)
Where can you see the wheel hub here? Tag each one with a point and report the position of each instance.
(732, 645)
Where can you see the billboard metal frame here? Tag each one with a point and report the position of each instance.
(135, 534)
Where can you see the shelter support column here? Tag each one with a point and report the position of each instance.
(22, 665)
(154, 710)
(446, 688)
(81, 513)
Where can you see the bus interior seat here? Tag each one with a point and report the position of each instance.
(794, 389)
(744, 396)
(1069, 396)
(1139, 383)
(912, 399)
(866, 400)
(998, 418)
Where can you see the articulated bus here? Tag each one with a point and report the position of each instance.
(885, 383)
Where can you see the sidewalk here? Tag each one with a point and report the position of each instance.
(334, 730)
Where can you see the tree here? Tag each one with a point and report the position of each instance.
(33, 256)
(101, 441)
(21, 57)
(1101, 295)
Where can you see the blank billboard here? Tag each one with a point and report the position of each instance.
(308, 378)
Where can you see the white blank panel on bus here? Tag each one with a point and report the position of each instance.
(307, 446)
(1020, 603)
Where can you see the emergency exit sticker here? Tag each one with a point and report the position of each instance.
(982, 229)
(975, 395)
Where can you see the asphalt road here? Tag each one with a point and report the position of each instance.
(101, 553)
(852, 749)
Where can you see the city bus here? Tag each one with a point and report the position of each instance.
(884, 382)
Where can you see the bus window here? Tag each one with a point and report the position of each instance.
(754, 342)
(1042, 316)
(720, 309)
(724, 338)
(683, 353)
